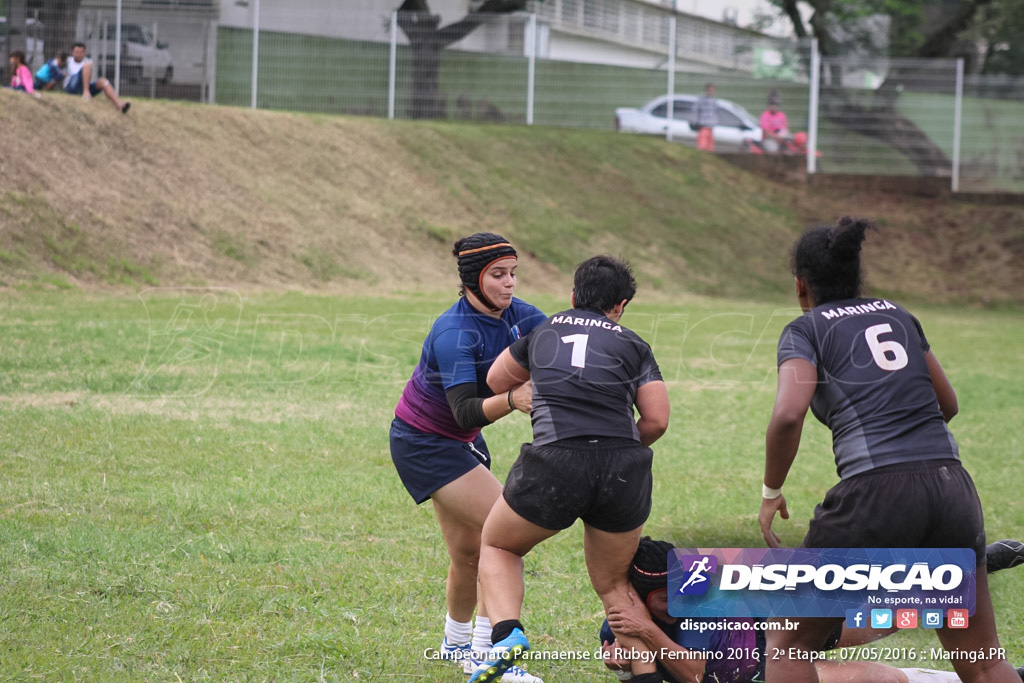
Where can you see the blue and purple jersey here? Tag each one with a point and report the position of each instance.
(460, 348)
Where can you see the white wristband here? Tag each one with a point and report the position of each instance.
(770, 493)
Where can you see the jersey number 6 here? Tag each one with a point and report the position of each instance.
(888, 355)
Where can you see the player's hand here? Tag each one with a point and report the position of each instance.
(611, 656)
(630, 620)
(523, 396)
(769, 506)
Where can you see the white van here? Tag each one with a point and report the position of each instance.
(142, 57)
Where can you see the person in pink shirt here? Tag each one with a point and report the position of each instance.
(774, 124)
(22, 75)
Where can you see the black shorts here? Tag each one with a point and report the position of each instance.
(925, 504)
(606, 483)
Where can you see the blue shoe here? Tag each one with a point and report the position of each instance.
(502, 657)
(460, 654)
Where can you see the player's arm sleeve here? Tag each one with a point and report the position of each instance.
(649, 370)
(456, 363)
(925, 346)
(520, 351)
(467, 407)
(795, 343)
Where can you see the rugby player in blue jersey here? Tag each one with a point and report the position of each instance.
(436, 443)
(589, 459)
(865, 369)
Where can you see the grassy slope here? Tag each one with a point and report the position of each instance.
(179, 194)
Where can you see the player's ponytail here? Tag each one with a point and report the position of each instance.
(827, 258)
(847, 237)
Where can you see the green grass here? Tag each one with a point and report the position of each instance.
(197, 486)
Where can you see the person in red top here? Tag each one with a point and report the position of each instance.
(774, 124)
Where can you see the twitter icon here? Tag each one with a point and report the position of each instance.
(881, 618)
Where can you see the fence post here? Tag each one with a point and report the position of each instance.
(671, 85)
(117, 49)
(531, 67)
(958, 122)
(152, 76)
(392, 64)
(812, 106)
(255, 50)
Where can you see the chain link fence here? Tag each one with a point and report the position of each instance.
(568, 63)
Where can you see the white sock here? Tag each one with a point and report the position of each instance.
(457, 632)
(482, 635)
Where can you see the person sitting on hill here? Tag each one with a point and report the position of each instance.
(52, 73)
(21, 77)
(79, 80)
(774, 124)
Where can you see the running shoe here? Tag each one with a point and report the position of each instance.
(460, 654)
(1003, 555)
(502, 656)
(517, 674)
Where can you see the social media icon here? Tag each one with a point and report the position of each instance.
(931, 618)
(881, 618)
(957, 618)
(856, 618)
(906, 618)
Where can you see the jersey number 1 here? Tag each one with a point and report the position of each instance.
(888, 355)
(579, 349)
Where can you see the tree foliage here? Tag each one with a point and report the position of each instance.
(925, 29)
(988, 34)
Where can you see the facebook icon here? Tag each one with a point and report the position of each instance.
(855, 618)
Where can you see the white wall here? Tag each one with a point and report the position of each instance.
(356, 19)
(568, 47)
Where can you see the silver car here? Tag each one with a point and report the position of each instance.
(736, 128)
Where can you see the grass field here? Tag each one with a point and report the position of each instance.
(197, 486)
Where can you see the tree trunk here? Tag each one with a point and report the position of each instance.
(884, 123)
(426, 42)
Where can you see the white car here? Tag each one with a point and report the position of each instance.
(34, 55)
(142, 57)
(736, 128)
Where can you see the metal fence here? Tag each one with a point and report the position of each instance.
(565, 63)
